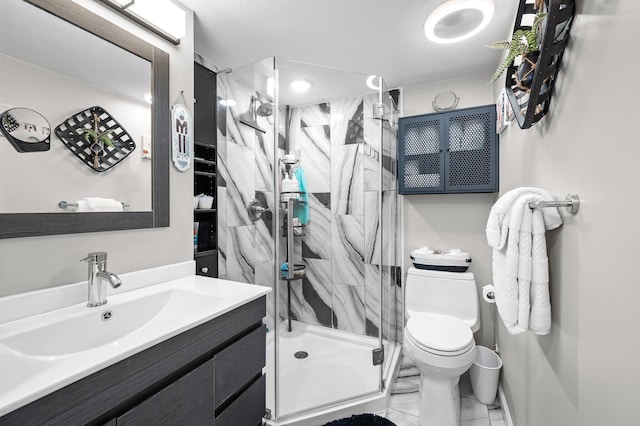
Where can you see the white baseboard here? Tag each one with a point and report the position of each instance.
(508, 421)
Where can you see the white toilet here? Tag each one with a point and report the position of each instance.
(443, 312)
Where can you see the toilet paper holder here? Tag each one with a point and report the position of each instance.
(488, 293)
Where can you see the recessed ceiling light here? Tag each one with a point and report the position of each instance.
(300, 85)
(457, 20)
(374, 82)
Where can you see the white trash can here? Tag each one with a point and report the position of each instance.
(484, 373)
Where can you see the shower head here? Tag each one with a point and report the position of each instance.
(250, 118)
(265, 109)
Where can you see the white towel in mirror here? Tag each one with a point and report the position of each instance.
(94, 204)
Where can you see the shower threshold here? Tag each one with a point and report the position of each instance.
(335, 379)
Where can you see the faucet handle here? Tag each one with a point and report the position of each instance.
(95, 256)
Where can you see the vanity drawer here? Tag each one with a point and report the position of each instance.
(238, 364)
(187, 398)
(248, 409)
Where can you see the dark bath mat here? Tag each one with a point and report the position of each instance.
(362, 420)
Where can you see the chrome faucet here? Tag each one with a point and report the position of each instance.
(98, 278)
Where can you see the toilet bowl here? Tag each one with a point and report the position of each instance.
(442, 347)
(442, 310)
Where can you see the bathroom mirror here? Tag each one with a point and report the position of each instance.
(155, 213)
(27, 130)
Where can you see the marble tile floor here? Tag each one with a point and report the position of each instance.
(403, 404)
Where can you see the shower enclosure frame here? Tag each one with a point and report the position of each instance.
(383, 275)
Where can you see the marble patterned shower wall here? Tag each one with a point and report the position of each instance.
(339, 145)
(245, 172)
(340, 148)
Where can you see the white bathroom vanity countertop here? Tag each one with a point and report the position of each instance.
(50, 338)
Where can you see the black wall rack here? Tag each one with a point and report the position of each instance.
(531, 104)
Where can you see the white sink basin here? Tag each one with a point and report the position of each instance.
(83, 328)
(48, 349)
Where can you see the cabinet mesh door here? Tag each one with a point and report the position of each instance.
(422, 160)
(470, 152)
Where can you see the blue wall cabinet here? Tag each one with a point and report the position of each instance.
(450, 152)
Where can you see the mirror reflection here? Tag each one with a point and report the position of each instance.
(63, 69)
(26, 129)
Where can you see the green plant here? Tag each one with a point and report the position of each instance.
(97, 142)
(522, 42)
(92, 136)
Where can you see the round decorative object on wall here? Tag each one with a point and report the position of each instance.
(445, 101)
(96, 138)
(27, 130)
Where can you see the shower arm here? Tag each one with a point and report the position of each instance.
(252, 108)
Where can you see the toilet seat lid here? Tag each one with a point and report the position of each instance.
(439, 333)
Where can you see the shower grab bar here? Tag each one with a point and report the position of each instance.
(571, 202)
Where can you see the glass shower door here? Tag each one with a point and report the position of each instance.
(246, 152)
(328, 322)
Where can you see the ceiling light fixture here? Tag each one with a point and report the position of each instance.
(371, 82)
(457, 20)
(300, 85)
(162, 17)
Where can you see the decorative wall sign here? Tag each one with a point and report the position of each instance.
(504, 112)
(96, 138)
(26, 129)
(181, 134)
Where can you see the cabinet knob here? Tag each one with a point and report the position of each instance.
(204, 269)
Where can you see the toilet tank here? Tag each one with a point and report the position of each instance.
(447, 293)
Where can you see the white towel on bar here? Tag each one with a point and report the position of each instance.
(520, 265)
(94, 204)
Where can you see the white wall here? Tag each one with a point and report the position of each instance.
(451, 220)
(40, 262)
(586, 371)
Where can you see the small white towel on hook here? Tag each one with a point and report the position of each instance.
(520, 265)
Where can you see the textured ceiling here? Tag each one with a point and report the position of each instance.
(382, 37)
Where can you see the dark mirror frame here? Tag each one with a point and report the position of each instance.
(13, 225)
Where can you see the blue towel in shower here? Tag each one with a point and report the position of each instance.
(302, 211)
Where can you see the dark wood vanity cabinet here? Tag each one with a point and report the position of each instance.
(187, 400)
(209, 375)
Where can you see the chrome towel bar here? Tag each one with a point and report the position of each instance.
(63, 204)
(571, 202)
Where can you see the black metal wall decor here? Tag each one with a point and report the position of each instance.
(27, 130)
(96, 138)
(529, 86)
